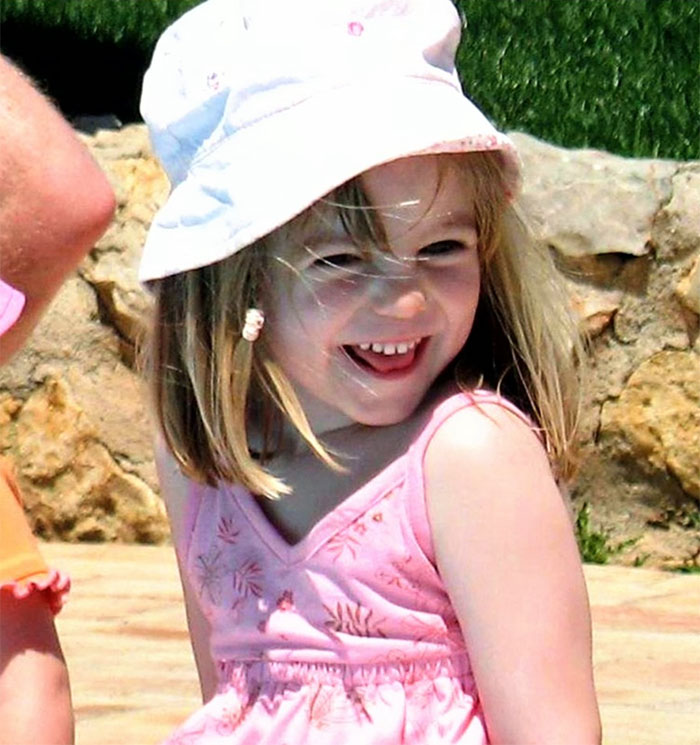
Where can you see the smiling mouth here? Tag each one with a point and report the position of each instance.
(383, 357)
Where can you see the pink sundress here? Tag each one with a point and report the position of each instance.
(345, 637)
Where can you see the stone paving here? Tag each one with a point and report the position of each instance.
(133, 678)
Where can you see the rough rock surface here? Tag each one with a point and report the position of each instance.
(72, 411)
(626, 235)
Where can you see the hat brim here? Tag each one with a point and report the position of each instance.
(296, 156)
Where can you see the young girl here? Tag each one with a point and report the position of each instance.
(362, 372)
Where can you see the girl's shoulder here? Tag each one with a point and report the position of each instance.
(504, 547)
(484, 456)
(464, 417)
(476, 447)
(476, 457)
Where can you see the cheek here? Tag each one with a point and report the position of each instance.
(309, 312)
(321, 304)
(460, 287)
(333, 295)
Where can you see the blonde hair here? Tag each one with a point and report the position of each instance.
(207, 381)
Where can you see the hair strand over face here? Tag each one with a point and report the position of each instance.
(208, 383)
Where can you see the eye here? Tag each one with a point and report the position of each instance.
(340, 260)
(442, 248)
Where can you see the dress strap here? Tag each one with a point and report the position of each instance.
(415, 479)
(190, 514)
(183, 497)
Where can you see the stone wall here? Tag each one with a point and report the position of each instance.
(625, 233)
(72, 412)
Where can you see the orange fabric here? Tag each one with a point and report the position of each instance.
(20, 559)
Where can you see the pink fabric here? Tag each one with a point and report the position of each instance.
(23, 570)
(347, 636)
(11, 304)
(54, 584)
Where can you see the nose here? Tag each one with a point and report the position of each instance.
(402, 303)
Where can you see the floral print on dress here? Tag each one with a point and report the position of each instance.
(227, 530)
(349, 539)
(331, 705)
(424, 631)
(229, 719)
(355, 28)
(354, 619)
(343, 543)
(359, 527)
(345, 638)
(285, 601)
(397, 576)
(247, 582)
(210, 572)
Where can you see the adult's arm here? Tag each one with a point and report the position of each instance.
(55, 201)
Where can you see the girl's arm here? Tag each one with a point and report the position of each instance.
(35, 702)
(199, 636)
(506, 551)
(175, 489)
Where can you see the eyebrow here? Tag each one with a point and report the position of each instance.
(457, 218)
(334, 232)
(325, 232)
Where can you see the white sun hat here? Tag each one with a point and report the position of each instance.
(259, 108)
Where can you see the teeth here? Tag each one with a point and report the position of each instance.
(389, 349)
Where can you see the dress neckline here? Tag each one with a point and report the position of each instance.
(326, 527)
(356, 504)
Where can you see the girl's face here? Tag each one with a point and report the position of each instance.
(362, 334)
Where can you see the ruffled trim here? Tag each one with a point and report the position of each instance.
(54, 584)
(244, 674)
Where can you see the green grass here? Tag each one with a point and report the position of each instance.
(688, 569)
(594, 544)
(104, 20)
(618, 75)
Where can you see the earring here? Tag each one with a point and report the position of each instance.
(254, 320)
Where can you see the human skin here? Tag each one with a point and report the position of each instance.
(503, 541)
(35, 700)
(55, 201)
(54, 204)
(505, 548)
(335, 298)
